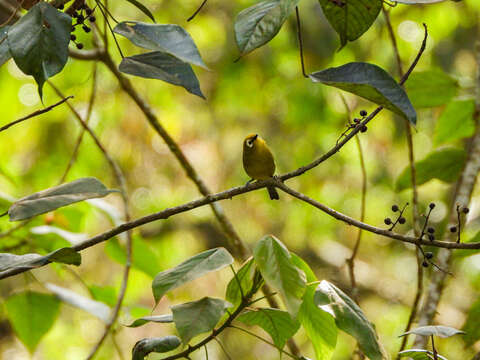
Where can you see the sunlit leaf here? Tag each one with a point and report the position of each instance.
(351, 319)
(168, 318)
(170, 39)
(419, 354)
(31, 315)
(4, 50)
(423, 88)
(191, 269)
(444, 164)
(350, 18)
(38, 42)
(245, 279)
(370, 82)
(157, 345)
(58, 196)
(275, 263)
(439, 330)
(197, 317)
(142, 8)
(455, 122)
(105, 294)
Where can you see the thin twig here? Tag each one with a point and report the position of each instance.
(223, 348)
(12, 15)
(300, 42)
(110, 28)
(197, 11)
(35, 113)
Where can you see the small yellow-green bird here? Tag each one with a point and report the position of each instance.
(258, 161)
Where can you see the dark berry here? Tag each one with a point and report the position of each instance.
(356, 121)
(431, 237)
(89, 12)
(394, 208)
(387, 221)
(80, 18)
(73, 37)
(79, 46)
(86, 28)
(429, 255)
(431, 230)
(61, 7)
(465, 210)
(425, 264)
(363, 129)
(363, 113)
(453, 229)
(431, 205)
(402, 220)
(92, 19)
(72, 29)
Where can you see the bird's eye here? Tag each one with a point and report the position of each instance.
(250, 143)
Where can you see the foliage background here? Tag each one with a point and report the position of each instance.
(262, 93)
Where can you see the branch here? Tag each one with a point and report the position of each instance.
(35, 113)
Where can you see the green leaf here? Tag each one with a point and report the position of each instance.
(162, 66)
(440, 331)
(105, 294)
(350, 318)
(39, 41)
(444, 164)
(258, 24)
(158, 345)
(72, 238)
(275, 264)
(197, 317)
(156, 318)
(419, 354)
(95, 308)
(4, 50)
(245, 278)
(65, 256)
(58, 196)
(31, 315)
(170, 39)
(277, 323)
(370, 82)
(142, 8)
(350, 18)
(471, 328)
(423, 88)
(318, 324)
(191, 269)
(455, 122)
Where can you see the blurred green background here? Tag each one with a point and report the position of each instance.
(262, 93)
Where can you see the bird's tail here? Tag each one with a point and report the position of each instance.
(273, 193)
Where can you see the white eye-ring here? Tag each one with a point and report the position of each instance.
(250, 143)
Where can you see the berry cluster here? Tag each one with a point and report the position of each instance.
(81, 15)
(456, 229)
(356, 122)
(400, 219)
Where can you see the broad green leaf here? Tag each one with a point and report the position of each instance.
(191, 269)
(455, 122)
(277, 323)
(4, 50)
(170, 39)
(197, 317)
(318, 324)
(444, 164)
(30, 261)
(142, 8)
(245, 278)
(471, 328)
(351, 18)
(157, 345)
(370, 82)
(156, 318)
(31, 315)
(162, 66)
(72, 238)
(423, 88)
(351, 319)
(58, 196)
(95, 308)
(258, 24)
(275, 264)
(38, 42)
(439, 330)
(419, 354)
(105, 294)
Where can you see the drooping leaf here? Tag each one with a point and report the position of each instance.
(162, 66)
(318, 324)
(258, 24)
(106, 294)
(423, 88)
(72, 238)
(158, 345)
(419, 354)
(170, 39)
(191, 269)
(350, 18)
(351, 319)
(245, 278)
(31, 315)
(444, 164)
(471, 328)
(142, 8)
(197, 317)
(439, 330)
(38, 42)
(455, 122)
(370, 82)
(275, 264)
(58, 196)
(95, 308)
(4, 50)
(168, 318)
(277, 323)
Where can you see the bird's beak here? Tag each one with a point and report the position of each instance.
(255, 137)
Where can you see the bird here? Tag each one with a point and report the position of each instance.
(258, 161)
